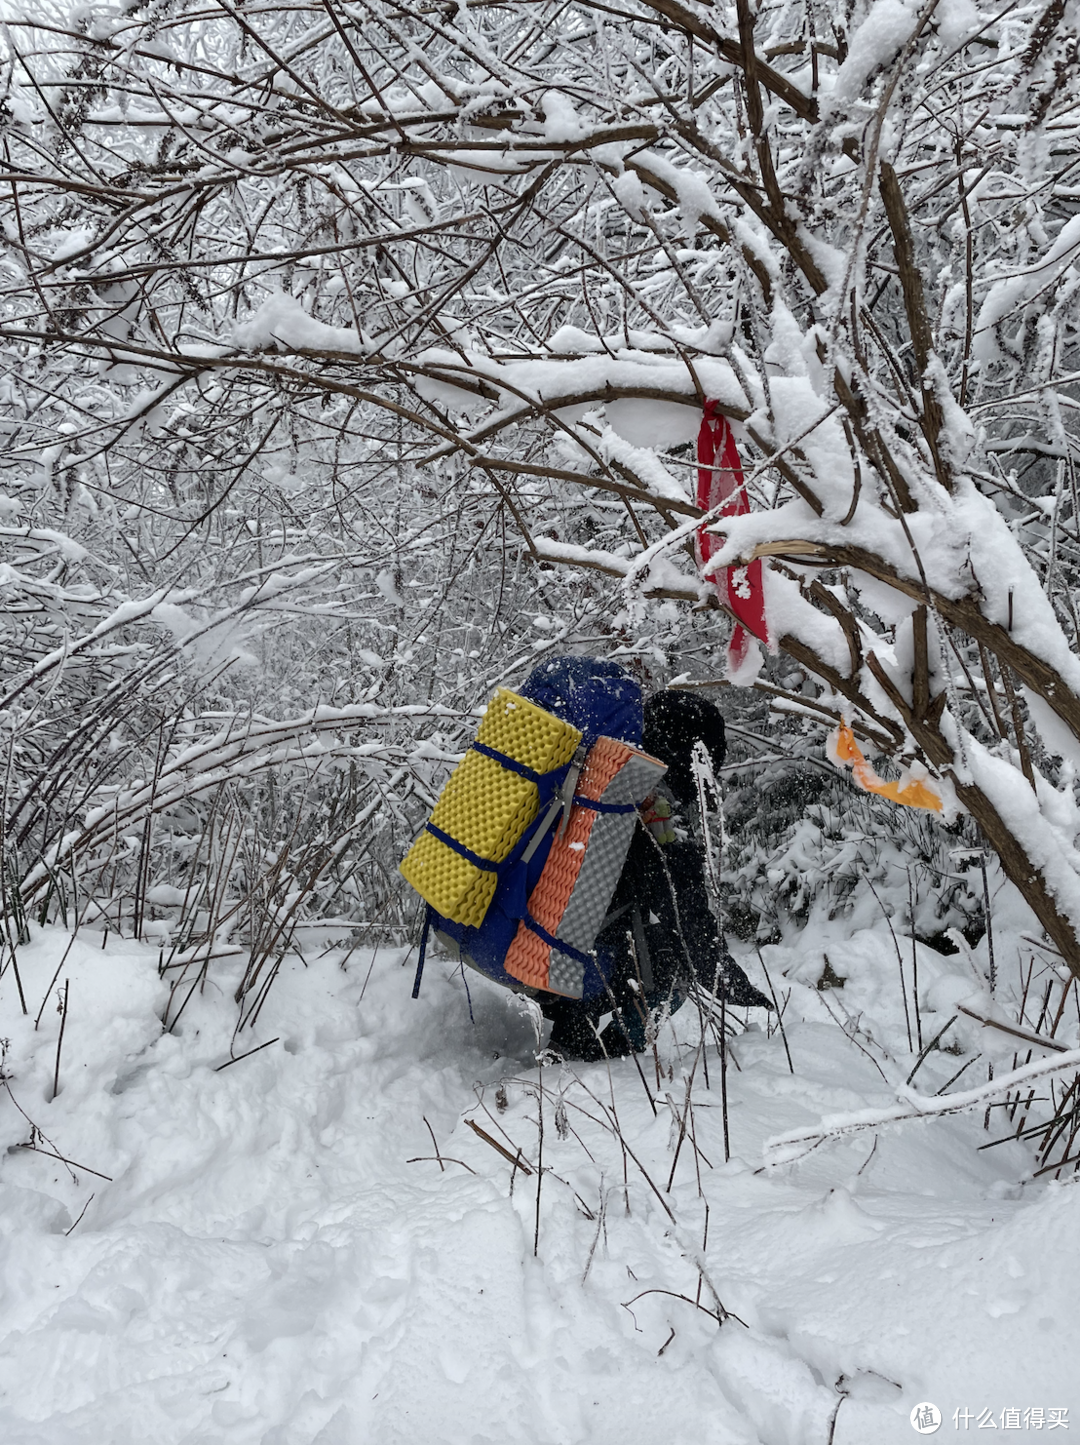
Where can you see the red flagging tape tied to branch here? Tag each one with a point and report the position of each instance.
(911, 795)
(721, 485)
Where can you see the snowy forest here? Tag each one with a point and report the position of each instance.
(354, 359)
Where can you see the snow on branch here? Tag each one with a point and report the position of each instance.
(797, 1143)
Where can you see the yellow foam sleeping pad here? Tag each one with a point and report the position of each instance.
(486, 807)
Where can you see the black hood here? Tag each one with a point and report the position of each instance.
(674, 722)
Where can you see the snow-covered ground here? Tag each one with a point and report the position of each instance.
(279, 1256)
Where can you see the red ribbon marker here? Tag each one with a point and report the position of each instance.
(720, 484)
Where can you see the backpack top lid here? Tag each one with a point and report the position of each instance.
(674, 722)
(599, 698)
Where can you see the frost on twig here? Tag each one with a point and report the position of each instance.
(785, 1148)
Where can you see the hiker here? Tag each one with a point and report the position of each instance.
(661, 935)
(552, 862)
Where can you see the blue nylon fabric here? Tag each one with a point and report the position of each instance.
(597, 697)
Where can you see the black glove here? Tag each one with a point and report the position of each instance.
(737, 990)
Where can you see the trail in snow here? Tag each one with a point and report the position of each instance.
(267, 1265)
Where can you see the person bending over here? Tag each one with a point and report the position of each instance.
(661, 935)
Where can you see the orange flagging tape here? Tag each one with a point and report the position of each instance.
(912, 795)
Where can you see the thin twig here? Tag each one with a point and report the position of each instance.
(431, 1159)
(936, 1039)
(82, 1211)
(914, 961)
(835, 1413)
(989, 920)
(1028, 1035)
(682, 1133)
(723, 1071)
(434, 1143)
(899, 959)
(60, 1039)
(518, 1162)
(850, 1036)
(672, 1294)
(71, 1163)
(18, 977)
(539, 1157)
(601, 1220)
(961, 1070)
(776, 1005)
(1072, 1159)
(229, 1062)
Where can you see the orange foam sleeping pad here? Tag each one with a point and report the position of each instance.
(528, 956)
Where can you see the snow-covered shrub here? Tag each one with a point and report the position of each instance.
(803, 844)
(355, 366)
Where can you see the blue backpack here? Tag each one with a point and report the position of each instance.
(600, 699)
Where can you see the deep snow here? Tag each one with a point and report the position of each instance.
(267, 1265)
